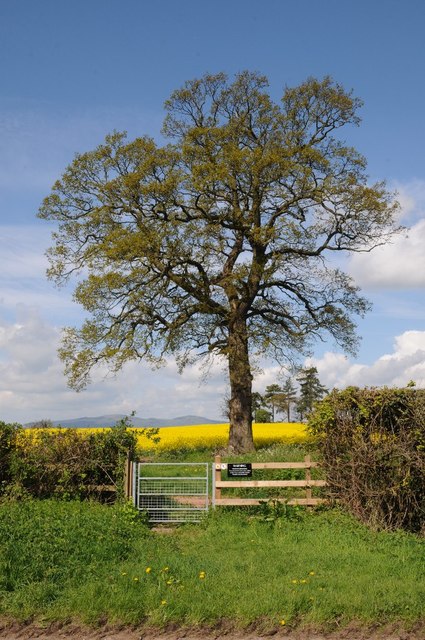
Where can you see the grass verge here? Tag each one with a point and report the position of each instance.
(82, 561)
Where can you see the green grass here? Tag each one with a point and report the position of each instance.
(276, 452)
(82, 561)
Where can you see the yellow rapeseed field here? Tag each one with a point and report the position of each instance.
(210, 435)
(217, 435)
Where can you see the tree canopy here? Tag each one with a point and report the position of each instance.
(216, 243)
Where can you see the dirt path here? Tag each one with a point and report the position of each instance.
(15, 631)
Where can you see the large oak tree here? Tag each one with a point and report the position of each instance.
(217, 242)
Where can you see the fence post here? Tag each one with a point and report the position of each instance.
(307, 461)
(217, 478)
(128, 477)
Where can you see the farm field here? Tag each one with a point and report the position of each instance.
(215, 436)
(207, 436)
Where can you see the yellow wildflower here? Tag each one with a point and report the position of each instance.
(148, 569)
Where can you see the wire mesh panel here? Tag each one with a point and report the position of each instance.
(172, 492)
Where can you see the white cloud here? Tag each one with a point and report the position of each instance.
(23, 274)
(411, 196)
(406, 362)
(23, 238)
(401, 263)
(22, 251)
(410, 342)
(32, 384)
(269, 375)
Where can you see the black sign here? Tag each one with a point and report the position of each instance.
(239, 470)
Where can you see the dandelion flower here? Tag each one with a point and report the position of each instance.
(136, 579)
(282, 622)
(169, 582)
(201, 575)
(294, 581)
(163, 602)
(148, 569)
(312, 573)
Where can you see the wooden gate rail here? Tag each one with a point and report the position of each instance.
(308, 483)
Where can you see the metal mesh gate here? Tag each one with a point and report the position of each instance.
(172, 491)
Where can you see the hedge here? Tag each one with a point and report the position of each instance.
(372, 442)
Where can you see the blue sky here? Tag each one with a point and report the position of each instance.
(73, 71)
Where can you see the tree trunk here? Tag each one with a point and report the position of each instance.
(240, 436)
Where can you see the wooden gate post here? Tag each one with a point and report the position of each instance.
(128, 477)
(217, 477)
(308, 493)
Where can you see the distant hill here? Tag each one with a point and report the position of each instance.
(111, 419)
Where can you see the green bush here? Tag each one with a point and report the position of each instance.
(65, 463)
(373, 447)
(8, 437)
(68, 464)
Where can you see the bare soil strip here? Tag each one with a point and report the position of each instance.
(10, 630)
